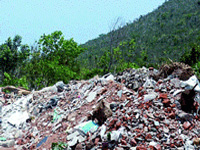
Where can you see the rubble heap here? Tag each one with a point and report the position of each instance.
(105, 113)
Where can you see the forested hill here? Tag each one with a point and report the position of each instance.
(167, 32)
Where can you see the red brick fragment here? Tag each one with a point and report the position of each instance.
(157, 147)
(133, 142)
(96, 141)
(172, 145)
(173, 105)
(172, 115)
(148, 136)
(141, 148)
(140, 89)
(160, 81)
(129, 118)
(118, 124)
(186, 125)
(151, 68)
(20, 141)
(112, 122)
(163, 96)
(123, 142)
(166, 102)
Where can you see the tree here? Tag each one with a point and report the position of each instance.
(12, 56)
(116, 35)
(53, 59)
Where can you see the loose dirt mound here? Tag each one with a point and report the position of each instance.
(176, 69)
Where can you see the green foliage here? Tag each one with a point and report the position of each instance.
(191, 56)
(10, 80)
(54, 59)
(196, 68)
(171, 27)
(58, 146)
(125, 65)
(13, 56)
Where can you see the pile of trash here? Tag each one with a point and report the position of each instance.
(130, 110)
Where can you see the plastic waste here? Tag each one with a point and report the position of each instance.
(190, 83)
(52, 102)
(42, 141)
(56, 115)
(3, 139)
(60, 86)
(88, 126)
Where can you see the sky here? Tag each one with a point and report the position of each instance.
(81, 20)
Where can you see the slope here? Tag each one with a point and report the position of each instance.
(167, 32)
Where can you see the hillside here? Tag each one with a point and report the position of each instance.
(167, 32)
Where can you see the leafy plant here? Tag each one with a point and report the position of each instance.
(59, 146)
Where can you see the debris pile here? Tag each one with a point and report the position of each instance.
(174, 69)
(105, 113)
(135, 78)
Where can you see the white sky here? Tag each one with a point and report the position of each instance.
(82, 20)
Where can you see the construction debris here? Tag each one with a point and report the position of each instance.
(130, 110)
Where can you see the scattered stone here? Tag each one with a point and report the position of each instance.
(100, 113)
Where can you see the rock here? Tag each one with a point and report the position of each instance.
(18, 134)
(115, 135)
(102, 131)
(72, 135)
(180, 70)
(108, 77)
(191, 83)
(187, 100)
(156, 123)
(113, 106)
(149, 84)
(119, 93)
(73, 142)
(7, 143)
(91, 96)
(96, 141)
(184, 116)
(56, 127)
(118, 124)
(150, 97)
(79, 146)
(176, 82)
(60, 86)
(104, 114)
